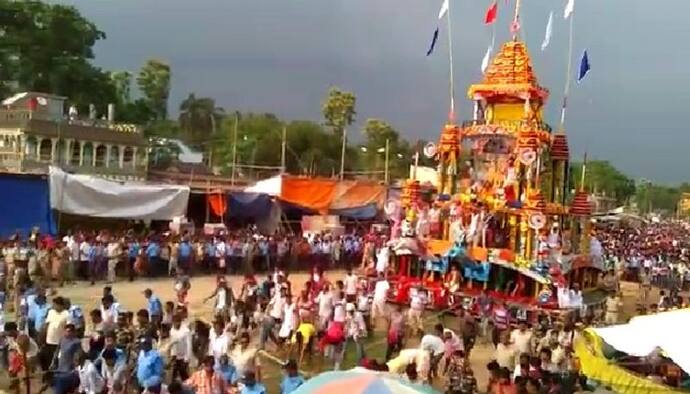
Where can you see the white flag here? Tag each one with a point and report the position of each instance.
(549, 31)
(487, 56)
(569, 8)
(444, 9)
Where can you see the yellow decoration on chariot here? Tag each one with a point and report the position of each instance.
(512, 221)
(522, 262)
(523, 226)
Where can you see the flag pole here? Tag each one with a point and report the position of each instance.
(451, 114)
(516, 20)
(569, 67)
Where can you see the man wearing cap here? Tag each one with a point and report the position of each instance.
(149, 367)
(292, 379)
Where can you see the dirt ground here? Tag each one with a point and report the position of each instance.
(130, 295)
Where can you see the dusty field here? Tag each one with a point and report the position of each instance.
(130, 295)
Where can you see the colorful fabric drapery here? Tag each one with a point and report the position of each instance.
(218, 204)
(596, 366)
(360, 381)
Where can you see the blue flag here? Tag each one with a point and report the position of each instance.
(584, 67)
(433, 43)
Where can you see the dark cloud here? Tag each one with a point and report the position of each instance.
(282, 55)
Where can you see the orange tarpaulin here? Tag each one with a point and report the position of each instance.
(320, 194)
(316, 194)
(356, 194)
(218, 204)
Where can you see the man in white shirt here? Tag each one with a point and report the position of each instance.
(327, 250)
(218, 341)
(338, 307)
(181, 351)
(54, 329)
(350, 282)
(84, 250)
(114, 251)
(325, 301)
(380, 296)
(364, 306)
(244, 357)
(435, 345)
(522, 338)
(73, 247)
(382, 260)
(505, 353)
(221, 253)
(414, 314)
(110, 311)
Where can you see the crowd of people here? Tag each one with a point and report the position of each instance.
(103, 255)
(656, 253)
(161, 348)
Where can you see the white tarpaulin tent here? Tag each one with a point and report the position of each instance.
(92, 196)
(645, 334)
(271, 186)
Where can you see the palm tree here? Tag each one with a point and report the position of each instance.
(199, 117)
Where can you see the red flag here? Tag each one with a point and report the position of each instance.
(491, 13)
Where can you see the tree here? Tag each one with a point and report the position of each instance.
(199, 117)
(339, 110)
(154, 82)
(122, 80)
(47, 48)
(377, 132)
(311, 150)
(603, 178)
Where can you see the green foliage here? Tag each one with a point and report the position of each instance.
(48, 48)
(339, 110)
(377, 133)
(311, 150)
(122, 80)
(659, 198)
(199, 118)
(602, 177)
(163, 128)
(135, 112)
(154, 82)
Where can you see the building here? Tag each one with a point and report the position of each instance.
(603, 203)
(35, 132)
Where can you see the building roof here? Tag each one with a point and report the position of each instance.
(510, 73)
(20, 96)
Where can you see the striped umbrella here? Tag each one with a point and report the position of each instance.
(360, 381)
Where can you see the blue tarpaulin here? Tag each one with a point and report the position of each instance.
(362, 213)
(249, 205)
(25, 204)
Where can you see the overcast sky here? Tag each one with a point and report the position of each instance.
(281, 56)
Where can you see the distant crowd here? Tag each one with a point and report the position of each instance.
(655, 253)
(98, 256)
